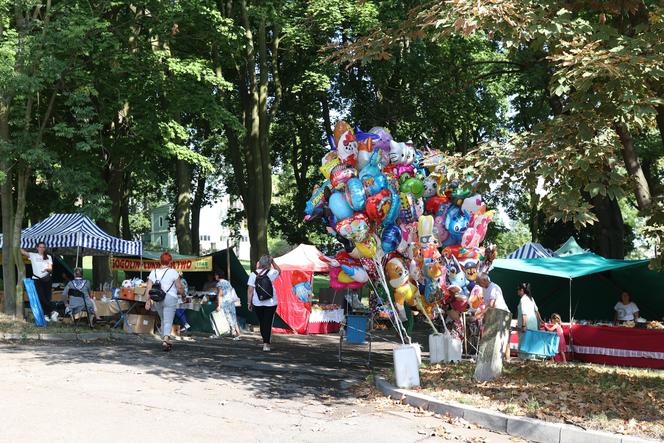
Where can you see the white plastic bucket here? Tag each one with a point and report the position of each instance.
(406, 367)
(454, 349)
(437, 345)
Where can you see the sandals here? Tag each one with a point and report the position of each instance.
(166, 346)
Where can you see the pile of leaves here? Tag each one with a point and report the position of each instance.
(623, 400)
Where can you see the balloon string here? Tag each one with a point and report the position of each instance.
(383, 280)
(381, 300)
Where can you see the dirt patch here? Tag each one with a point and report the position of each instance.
(622, 400)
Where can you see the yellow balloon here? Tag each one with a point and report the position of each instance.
(368, 247)
(344, 278)
(326, 169)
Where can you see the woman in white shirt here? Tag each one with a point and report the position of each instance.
(169, 280)
(626, 309)
(42, 268)
(264, 306)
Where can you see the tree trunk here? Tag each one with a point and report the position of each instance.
(8, 264)
(6, 202)
(183, 173)
(609, 231)
(124, 215)
(490, 355)
(22, 179)
(660, 121)
(641, 188)
(196, 207)
(114, 177)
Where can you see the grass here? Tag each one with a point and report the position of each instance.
(623, 400)
(10, 325)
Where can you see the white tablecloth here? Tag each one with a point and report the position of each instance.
(332, 316)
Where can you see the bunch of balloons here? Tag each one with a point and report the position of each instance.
(401, 218)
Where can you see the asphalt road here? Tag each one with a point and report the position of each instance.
(206, 390)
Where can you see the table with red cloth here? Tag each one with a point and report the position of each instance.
(642, 348)
(610, 345)
(325, 321)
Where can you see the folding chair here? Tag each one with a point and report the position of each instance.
(76, 316)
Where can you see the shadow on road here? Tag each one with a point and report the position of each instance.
(297, 366)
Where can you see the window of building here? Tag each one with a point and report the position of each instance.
(213, 246)
(161, 221)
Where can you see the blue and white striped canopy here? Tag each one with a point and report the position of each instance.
(72, 231)
(531, 250)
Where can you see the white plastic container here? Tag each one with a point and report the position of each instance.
(437, 348)
(406, 367)
(454, 349)
(418, 351)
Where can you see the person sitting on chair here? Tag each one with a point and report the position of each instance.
(77, 295)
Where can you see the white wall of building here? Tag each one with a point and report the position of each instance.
(212, 235)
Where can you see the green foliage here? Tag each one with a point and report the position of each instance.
(509, 240)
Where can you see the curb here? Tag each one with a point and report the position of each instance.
(524, 427)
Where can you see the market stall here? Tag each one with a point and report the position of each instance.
(584, 287)
(198, 272)
(294, 307)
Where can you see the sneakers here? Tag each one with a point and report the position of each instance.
(47, 319)
(236, 338)
(54, 316)
(266, 347)
(187, 327)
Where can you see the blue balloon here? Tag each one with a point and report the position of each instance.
(373, 168)
(339, 206)
(391, 238)
(392, 215)
(355, 194)
(374, 184)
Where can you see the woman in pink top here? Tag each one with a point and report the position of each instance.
(557, 328)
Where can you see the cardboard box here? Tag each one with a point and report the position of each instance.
(140, 324)
(110, 308)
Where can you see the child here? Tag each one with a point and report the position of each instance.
(555, 327)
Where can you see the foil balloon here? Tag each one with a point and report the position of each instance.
(391, 238)
(433, 204)
(340, 128)
(347, 148)
(355, 227)
(413, 186)
(339, 206)
(367, 248)
(364, 152)
(378, 206)
(398, 153)
(476, 298)
(373, 184)
(356, 273)
(347, 282)
(314, 206)
(355, 194)
(329, 162)
(340, 175)
(383, 142)
(407, 211)
(456, 222)
(472, 204)
(393, 213)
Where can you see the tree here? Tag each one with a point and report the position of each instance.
(42, 46)
(604, 69)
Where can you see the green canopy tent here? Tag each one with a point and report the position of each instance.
(582, 286)
(570, 247)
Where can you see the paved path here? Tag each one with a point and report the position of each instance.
(210, 389)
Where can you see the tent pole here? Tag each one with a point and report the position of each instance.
(141, 265)
(78, 250)
(570, 301)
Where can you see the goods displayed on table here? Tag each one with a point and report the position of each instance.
(654, 325)
(325, 319)
(392, 206)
